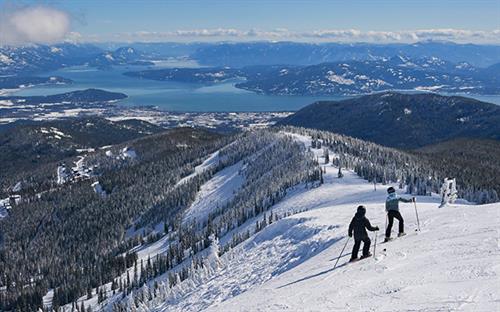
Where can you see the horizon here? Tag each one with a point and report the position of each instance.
(320, 21)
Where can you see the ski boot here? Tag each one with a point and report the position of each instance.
(365, 256)
(401, 234)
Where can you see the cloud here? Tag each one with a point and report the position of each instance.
(32, 24)
(323, 35)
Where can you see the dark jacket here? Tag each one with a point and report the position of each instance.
(392, 202)
(359, 225)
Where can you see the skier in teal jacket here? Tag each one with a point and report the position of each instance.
(392, 209)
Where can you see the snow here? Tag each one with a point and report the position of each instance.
(98, 189)
(4, 206)
(452, 264)
(414, 273)
(109, 57)
(47, 299)
(5, 59)
(206, 164)
(216, 192)
(338, 79)
(128, 152)
(62, 175)
(6, 103)
(17, 187)
(429, 88)
(55, 50)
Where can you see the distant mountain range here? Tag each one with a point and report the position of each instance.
(402, 120)
(344, 78)
(42, 58)
(294, 53)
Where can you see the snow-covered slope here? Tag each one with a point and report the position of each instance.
(216, 192)
(451, 264)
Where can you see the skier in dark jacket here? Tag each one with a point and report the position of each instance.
(392, 209)
(358, 226)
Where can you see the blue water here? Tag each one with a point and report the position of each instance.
(171, 96)
(174, 96)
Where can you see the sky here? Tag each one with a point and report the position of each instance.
(476, 21)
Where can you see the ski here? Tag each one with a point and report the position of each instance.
(359, 259)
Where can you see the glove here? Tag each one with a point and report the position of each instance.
(376, 228)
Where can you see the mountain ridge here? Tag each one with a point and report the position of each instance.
(402, 120)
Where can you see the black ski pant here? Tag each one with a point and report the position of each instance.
(391, 215)
(357, 243)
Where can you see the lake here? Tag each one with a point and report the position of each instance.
(174, 96)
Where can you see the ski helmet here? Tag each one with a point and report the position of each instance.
(391, 190)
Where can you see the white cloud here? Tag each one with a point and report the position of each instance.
(323, 35)
(33, 24)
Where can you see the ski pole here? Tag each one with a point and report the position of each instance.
(341, 253)
(386, 217)
(416, 213)
(386, 220)
(375, 244)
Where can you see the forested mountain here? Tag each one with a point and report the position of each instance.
(39, 58)
(27, 147)
(402, 120)
(343, 78)
(147, 221)
(291, 262)
(475, 160)
(27, 60)
(240, 218)
(361, 77)
(72, 238)
(294, 53)
(71, 103)
(87, 229)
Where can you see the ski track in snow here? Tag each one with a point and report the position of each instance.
(452, 264)
(206, 164)
(215, 192)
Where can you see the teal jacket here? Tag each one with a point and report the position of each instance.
(392, 202)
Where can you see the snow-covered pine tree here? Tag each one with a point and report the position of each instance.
(448, 192)
(213, 252)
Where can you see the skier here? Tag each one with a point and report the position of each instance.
(392, 209)
(358, 226)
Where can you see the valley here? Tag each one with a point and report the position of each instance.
(189, 156)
